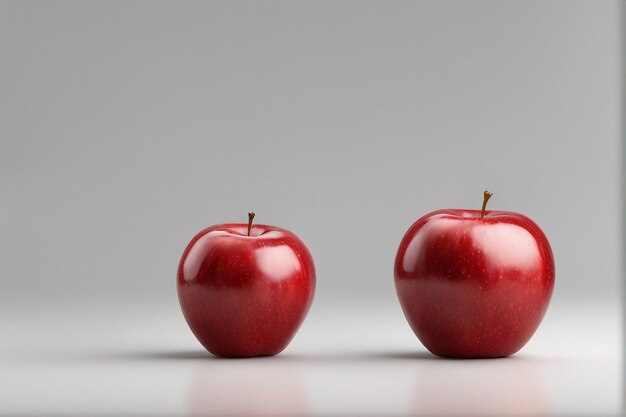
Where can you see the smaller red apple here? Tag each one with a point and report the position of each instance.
(245, 290)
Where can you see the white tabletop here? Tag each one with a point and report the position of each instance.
(354, 360)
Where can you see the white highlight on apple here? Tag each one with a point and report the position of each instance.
(507, 245)
(440, 225)
(277, 261)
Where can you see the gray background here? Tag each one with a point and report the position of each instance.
(125, 128)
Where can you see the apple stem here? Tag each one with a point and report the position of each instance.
(250, 218)
(486, 196)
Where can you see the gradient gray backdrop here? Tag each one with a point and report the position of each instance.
(126, 127)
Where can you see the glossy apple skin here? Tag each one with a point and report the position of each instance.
(242, 295)
(473, 287)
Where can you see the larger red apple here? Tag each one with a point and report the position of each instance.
(245, 290)
(474, 283)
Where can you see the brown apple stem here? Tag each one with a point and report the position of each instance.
(486, 196)
(250, 218)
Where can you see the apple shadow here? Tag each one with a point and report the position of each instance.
(317, 358)
(189, 355)
(357, 357)
(405, 355)
(399, 356)
(149, 356)
(202, 355)
(428, 355)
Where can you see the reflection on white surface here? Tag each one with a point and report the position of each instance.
(511, 386)
(424, 385)
(261, 387)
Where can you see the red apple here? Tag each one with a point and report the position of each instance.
(245, 290)
(474, 283)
